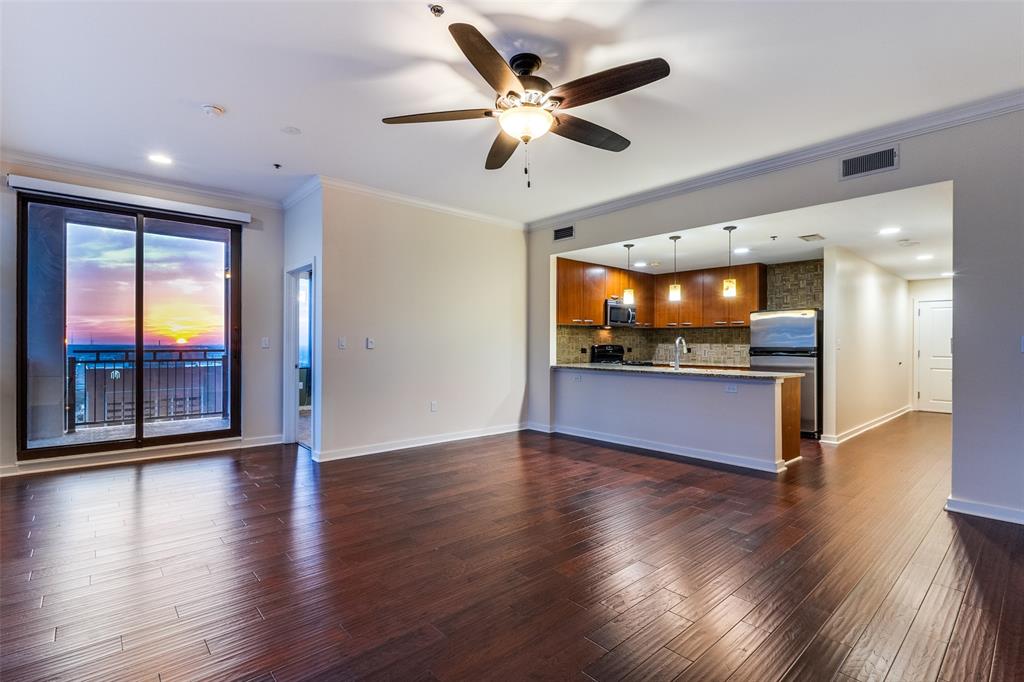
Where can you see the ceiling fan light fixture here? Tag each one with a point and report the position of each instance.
(526, 122)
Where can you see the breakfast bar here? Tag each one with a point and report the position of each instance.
(738, 417)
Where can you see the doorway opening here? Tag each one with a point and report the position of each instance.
(304, 358)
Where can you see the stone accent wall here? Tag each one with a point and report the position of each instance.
(729, 347)
(790, 285)
(800, 284)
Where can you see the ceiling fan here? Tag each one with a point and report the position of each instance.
(527, 106)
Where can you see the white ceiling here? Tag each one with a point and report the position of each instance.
(923, 214)
(107, 83)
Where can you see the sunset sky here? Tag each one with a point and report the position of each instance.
(183, 297)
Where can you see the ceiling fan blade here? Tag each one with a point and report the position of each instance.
(501, 150)
(578, 130)
(609, 83)
(482, 55)
(456, 115)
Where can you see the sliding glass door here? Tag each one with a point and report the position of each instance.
(128, 328)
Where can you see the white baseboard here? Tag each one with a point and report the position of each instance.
(836, 439)
(538, 426)
(94, 459)
(671, 449)
(988, 511)
(402, 444)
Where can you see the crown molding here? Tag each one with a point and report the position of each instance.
(921, 125)
(410, 201)
(301, 192)
(47, 163)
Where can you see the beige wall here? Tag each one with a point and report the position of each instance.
(985, 161)
(443, 296)
(261, 302)
(867, 345)
(931, 289)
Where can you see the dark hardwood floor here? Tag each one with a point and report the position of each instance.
(513, 557)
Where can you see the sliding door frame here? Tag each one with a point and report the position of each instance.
(233, 330)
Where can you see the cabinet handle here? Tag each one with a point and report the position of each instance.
(721, 322)
(687, 324)
(577, 320)
(591, 321)
(739, 321)
(673, 324)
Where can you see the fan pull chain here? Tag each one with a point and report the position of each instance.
(526, 168)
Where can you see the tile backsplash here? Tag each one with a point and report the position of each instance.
(790, 286)
(707, 346)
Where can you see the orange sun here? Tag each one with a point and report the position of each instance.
(180, 341)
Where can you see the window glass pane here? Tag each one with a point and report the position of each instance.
(80, 324)
(186, 290)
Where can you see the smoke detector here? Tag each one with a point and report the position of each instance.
(212, 110)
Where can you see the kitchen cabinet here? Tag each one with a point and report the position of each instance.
(751, 294)
(581, 292)
(643, 291)
(685, 313)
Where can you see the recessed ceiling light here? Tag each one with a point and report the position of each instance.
(291, 130)
(741, 250)
(640, 264)
(895, 229)
(947, 274)
(925, 256)
(162, 159)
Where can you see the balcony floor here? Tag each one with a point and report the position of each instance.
(97, 434)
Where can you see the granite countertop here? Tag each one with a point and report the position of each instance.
(708, 371)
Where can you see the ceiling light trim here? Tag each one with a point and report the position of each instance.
(322, 180)
(999, 105)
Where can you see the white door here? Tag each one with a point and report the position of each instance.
(934, 342)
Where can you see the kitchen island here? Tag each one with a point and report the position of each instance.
(739, 417)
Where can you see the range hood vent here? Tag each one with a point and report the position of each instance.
(873, 162)
(564, 233)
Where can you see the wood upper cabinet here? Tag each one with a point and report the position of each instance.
(751, 294)
(580, 292)
(583, 289)
(643, 291)
(685, 313)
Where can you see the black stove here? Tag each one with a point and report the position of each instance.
(607, 353)
(614, 354)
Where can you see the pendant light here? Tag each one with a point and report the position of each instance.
(729, 284)
(628, 297)
(675, 292)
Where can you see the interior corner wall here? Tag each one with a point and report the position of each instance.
(868, 340)
(261, 303)
(985, 161)
(443, 296)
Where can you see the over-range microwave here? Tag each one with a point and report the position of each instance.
(619, 314)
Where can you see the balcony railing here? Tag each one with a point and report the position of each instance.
(177, 384)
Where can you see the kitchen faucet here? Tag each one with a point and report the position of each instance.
(680, 345)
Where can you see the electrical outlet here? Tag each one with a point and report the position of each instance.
(433, 406)
(370, 343)
(583, 351)
(577, 379)
(342, 343)
(732, 388)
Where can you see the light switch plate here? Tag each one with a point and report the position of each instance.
(433, 406)
(265, 342)
(342, 343)
(370, 343)
(732, 388)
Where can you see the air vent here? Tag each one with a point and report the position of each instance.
(875, 162)
(812, 237)
(565, 233)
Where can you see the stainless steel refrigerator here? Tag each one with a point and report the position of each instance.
(790, 341)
